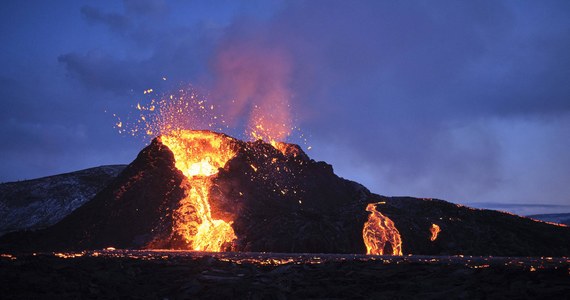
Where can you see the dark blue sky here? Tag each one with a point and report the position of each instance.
(468, 101)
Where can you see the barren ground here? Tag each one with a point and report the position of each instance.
(176, 275)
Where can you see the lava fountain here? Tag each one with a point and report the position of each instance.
(199, 155)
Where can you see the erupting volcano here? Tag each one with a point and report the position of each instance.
(201, 190)
(206, 191)
(228, 184)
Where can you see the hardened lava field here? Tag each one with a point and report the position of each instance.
(188, 274)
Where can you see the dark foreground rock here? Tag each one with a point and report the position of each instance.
(173, 276)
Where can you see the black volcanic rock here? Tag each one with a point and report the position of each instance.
(281, 202)
(131, 212)
(289, 203)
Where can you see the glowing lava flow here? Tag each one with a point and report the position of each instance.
(379, 231)
(434, 229)
(199, 155)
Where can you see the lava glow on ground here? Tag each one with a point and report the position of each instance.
(530, 264)
(168, 274)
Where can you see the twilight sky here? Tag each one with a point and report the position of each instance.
(467, 101)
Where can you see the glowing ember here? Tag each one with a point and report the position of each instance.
(269, 120)
(199, 155)
(185, 108)
(378, 232)
(434, 229)
(286, 149)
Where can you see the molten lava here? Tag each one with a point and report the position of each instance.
(378, 232)
(199, 155)
(434, 229)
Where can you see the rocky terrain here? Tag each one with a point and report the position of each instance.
(42, 202)
(192, 275)
(282, 201)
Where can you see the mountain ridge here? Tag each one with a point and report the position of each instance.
(562, 218)
(282, 202)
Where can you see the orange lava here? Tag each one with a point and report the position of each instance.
(286, 149)
(199, 155)
(434, 229)
(380, 231)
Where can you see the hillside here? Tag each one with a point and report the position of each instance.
(42, 202)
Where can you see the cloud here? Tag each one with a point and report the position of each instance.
(408, 92)
(100, 70)
(50, 129)
(522, 209)
(116, 22)
(412, 98)
(146, 7)
(252, 80)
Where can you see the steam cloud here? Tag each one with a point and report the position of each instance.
(253, 80)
